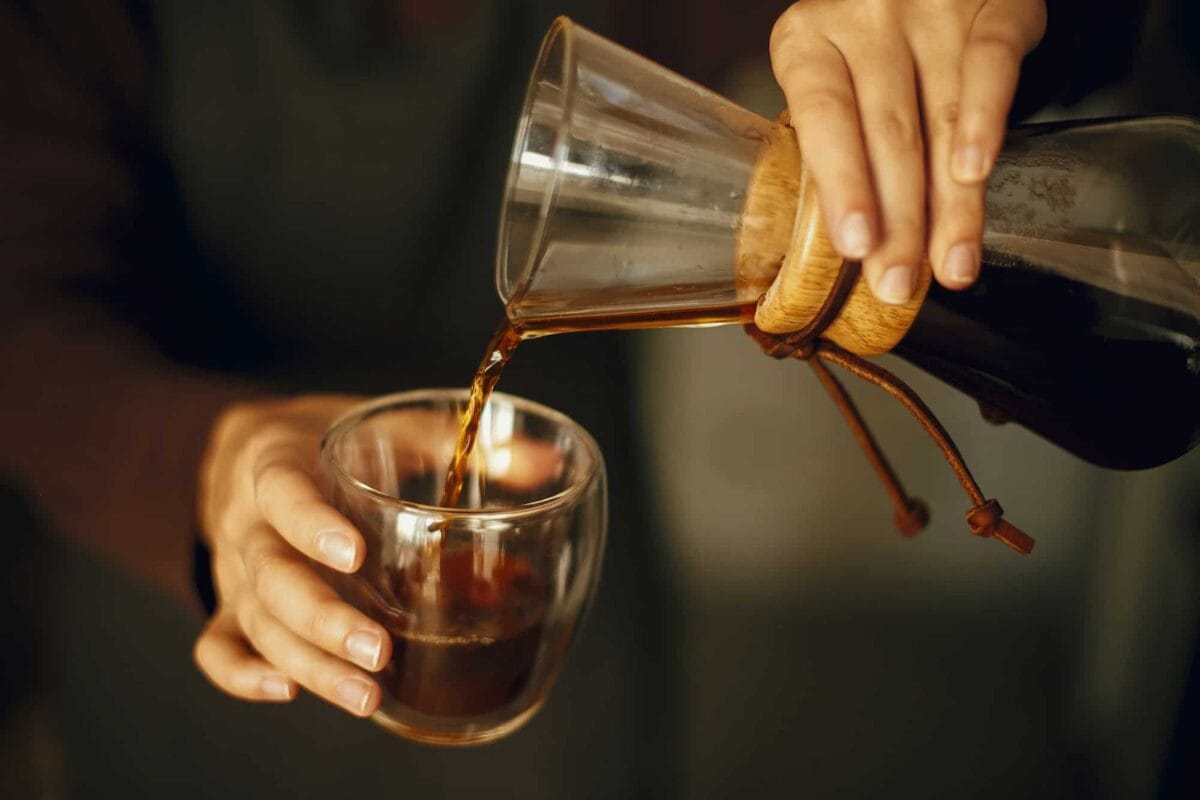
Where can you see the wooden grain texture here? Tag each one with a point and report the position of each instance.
(805, 259)
(768, 214)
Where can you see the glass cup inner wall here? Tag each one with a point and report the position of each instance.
(403, 452)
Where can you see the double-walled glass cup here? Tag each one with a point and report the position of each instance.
(482, 601)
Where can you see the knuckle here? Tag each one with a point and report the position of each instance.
(308, 668)
(273, 430)
(786, 26)
(908, 235)
(233, 420)
(270, 476)
(326, 623)
(268, 573)
(997, 43)
(279, 479)
(904, 242)
(307, 510)
(821, 103)
(277, 445)
(1030, 24)
(843, 187)
(944, 116)
(1038, 27)
(951, 207)
(898, 129)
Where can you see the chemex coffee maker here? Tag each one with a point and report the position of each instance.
(636, 198)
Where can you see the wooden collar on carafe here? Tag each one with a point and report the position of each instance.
(845, 322)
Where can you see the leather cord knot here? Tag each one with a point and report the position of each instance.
(985, 519)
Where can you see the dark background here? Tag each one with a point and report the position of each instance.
(791, 643)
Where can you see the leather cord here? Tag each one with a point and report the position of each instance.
(985, 519)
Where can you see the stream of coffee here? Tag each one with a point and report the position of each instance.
(499, 350)
(550, 314)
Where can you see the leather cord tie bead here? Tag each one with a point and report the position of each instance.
(985, 519)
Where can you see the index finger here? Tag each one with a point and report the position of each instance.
(821, 98)
(290, 501)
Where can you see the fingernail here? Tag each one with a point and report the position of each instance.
(854, 236)
(969, 164)
(364, 647)
(337, 549)
(354, 694)
(961, 265)
(895, 285)
(276, 686)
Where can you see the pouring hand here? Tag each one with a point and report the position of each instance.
(900, 107)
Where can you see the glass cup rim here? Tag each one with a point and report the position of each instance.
(361, 412)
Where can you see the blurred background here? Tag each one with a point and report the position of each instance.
(324, 177)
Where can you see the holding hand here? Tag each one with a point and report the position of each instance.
(277, 623)
(889, 97)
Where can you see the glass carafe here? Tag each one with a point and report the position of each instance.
(1085, 323)
(638, 199)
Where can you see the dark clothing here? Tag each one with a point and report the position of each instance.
(204, 198)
